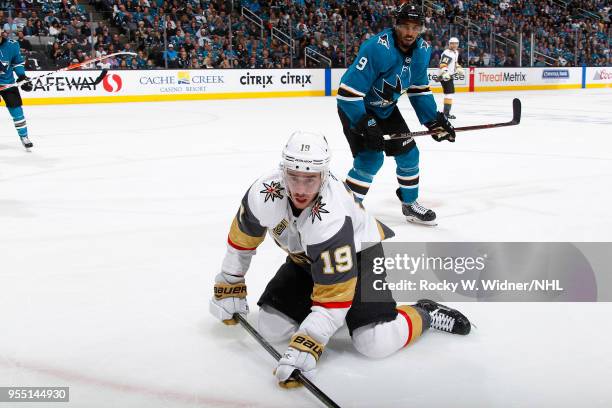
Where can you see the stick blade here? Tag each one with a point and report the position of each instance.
(516, 111)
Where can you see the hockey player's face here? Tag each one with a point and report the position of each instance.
(407, 33)
(303, 187)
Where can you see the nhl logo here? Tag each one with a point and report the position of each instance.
(408, 60)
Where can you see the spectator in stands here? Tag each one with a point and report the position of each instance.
(24, 43)
(39, 29)
(55, 53)
(171, 56)
(562, 32)
(10, 27)
(183, 59)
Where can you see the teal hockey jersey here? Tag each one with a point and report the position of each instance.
(11, 61)
(381, 73)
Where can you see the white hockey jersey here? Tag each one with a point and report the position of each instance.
(327, 235)
(449, 60)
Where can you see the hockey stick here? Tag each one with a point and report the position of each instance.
(516, 119)
(101, 77)
(296, 374)
(70, 68)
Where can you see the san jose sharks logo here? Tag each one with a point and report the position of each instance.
(384, 41)
(272, 191)
(388, 92)
(317, 209)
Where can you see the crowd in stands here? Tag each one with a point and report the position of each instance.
(564, 32)
(191, 34)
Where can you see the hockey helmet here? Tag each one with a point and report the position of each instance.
(408, 12)
(306, 152)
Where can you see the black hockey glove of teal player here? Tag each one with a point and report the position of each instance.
(444, 129)
(372, 133)
(26, 86)
(302, 355)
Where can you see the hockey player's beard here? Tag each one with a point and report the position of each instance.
(406, 42)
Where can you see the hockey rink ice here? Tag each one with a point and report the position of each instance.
(113, 227)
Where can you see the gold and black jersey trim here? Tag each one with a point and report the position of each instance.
(246, 232)
(337, 295)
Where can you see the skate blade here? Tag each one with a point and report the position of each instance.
(415, 220)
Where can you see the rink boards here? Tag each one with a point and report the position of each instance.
(176, 85)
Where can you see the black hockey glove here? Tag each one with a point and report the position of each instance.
(372, 133)
(26, 86)
(444, 129)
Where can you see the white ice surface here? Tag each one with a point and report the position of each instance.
(112, 229)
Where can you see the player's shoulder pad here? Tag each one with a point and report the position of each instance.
(267, 198)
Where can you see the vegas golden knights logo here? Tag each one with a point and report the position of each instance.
(278, 230)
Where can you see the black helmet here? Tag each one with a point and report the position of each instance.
(408, 12)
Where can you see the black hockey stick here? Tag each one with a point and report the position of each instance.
(516, 119)
(296, 374)
(101, 77)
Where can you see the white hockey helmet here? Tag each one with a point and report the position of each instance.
(307, 152)
(453, 40)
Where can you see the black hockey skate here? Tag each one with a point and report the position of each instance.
(444, 318)
(26, 142)
(416, 213)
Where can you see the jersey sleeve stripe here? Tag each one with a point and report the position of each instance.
(238, 247)
(419, 94)
(350, 91)
(412, 91)
(335, 293)
(241, 240)
(349, 99)
(333, 305)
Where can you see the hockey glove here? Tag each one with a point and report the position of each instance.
(444, 74)
(302, 354)
(459, 70)
(26, 86)
(372, 133)
(444, 129)
(230, 297)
